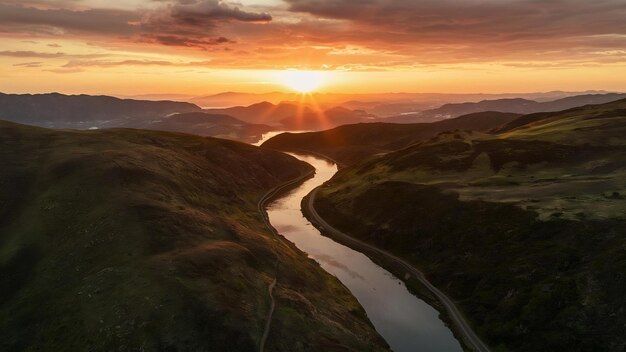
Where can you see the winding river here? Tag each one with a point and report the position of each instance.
(407, 323)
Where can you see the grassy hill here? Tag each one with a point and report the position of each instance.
(524, 229)
(143, 240)
(352, 143)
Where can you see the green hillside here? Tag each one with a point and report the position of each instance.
(525, 229)
(135, 240)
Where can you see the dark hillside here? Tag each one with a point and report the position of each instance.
(142, 240)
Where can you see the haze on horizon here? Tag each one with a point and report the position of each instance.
(207, 46)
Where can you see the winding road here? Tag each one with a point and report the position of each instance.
(261, 207)
(469, 336)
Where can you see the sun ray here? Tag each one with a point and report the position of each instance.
(302, 81)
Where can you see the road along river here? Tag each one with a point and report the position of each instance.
(406, 322)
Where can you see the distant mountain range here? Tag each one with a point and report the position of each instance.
(514, 105)
(96, 112)
(248, 123)
(383, 104)
(83, 111)
(295, 116)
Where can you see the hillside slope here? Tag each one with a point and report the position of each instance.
(83, 111)
(526, 235)
(208, 125)
(294, 116)
(512, 105)
(94, 112)
(351, 143)
(142, 240)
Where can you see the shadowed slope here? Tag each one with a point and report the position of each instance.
(142, 240)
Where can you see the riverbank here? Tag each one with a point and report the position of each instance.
(412, 277)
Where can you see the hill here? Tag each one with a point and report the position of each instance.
(294, 115)
(83, 111)
(512, 105)
(94, 112)
(525, 230)
(351, 143)
(208, 125)
(143, 240)
(262, 113)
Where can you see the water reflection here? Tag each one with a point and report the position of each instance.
(406, 322)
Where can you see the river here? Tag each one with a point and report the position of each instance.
(406, 322)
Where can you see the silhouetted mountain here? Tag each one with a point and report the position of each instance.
(83, 111)
(294, 115)
(337, 116)
(209, 125)
(91, 112)
(262, 113)
(517, 105)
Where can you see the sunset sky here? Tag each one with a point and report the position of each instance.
(207, 46)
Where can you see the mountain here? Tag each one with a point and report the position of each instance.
(525, 229)
(294, 115)
(589, 124)
(262, 113)
(83, 111)
(230, 99)
(209, 125)
(93, 112)
(142, 240)
(351, 143)
(312, 120)
(383, 104)
(514, 105)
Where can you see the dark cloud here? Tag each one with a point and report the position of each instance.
(454, 21)
(79, 64)
(193, 23)
(207, 11)
(183, 23)
(173, 40)
(29, 64)
(15, 18)
(32, 54)
(362, 34)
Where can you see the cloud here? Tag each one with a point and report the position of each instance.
(356, 34)
(25, 19)
(29, 64)
(207, 11)
(174, 40)
(183, 23)
(194, 24)
(450, 21)
(75, 64)
(31, 54)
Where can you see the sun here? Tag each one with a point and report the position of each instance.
(302, 81)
